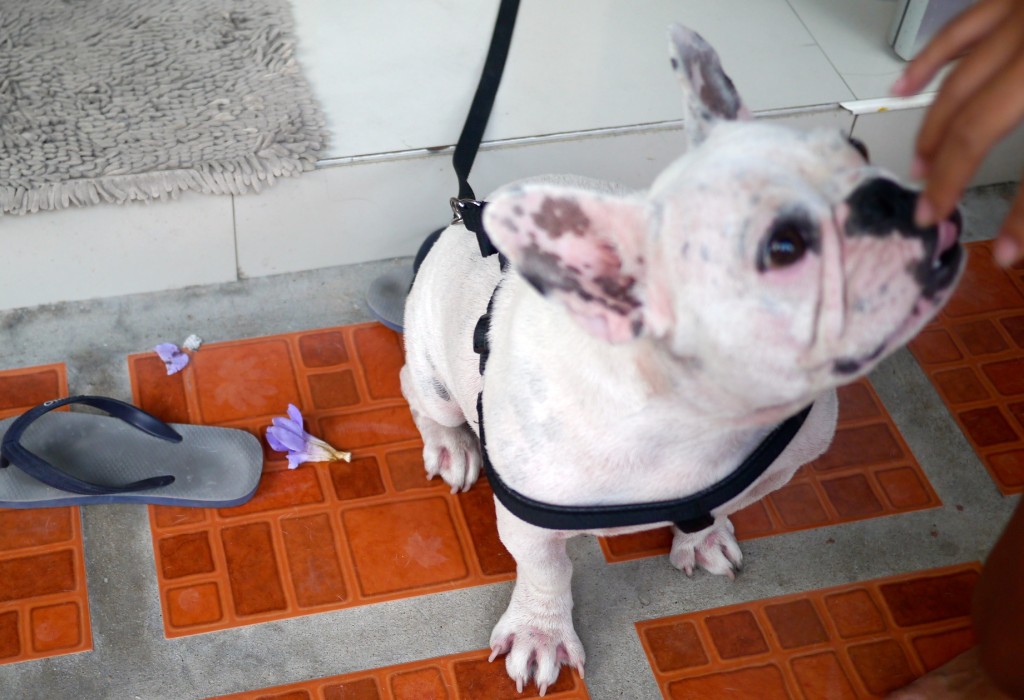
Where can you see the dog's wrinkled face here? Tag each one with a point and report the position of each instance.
(777, 263)
(791, 264)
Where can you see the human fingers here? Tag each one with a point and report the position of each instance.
(957, 36)
(988, 116)
(972, 74)
(1009, 244)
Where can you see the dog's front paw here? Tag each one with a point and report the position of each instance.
(452, 453)
(537, 645)
(713, 548)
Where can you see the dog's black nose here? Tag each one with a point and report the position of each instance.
(881, 207)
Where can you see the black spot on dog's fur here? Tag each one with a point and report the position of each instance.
(558, 216)
(546, 272)
(441, 390)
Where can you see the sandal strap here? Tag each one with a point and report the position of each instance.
(12, 452)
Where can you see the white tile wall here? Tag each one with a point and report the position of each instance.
(108, 249)
(854, 37)
(366, 211)
(398, 74)
(343, 214)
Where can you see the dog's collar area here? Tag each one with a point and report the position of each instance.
(690, 514)
(470, 213)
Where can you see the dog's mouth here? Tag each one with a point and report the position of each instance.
(924, 309)
(886, 210)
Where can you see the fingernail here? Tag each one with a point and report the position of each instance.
(899, 86)
(1006, 251)
(918, 168)
(924, 215)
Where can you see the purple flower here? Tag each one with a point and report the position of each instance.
(172, 356)
(287, 435)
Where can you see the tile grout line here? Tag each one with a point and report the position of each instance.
(824, 53)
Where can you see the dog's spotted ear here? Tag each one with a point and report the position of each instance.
(708, 93)
(582, 248)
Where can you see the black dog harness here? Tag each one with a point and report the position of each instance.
(690, 514)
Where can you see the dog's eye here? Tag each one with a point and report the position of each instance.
(861, 148)
(785, 245)
(793, 233)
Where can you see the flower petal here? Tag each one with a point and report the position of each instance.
(274, 443)
(166, 351)
(287, 424)
(287, 439)
(174, 359)
(295, 415)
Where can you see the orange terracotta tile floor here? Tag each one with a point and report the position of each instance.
(855, 641)
(974, 355)
(869, 471)
(44, 605)
(324, 536)
(466, 676)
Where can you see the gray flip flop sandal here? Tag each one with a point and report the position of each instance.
(386, 295)
(386, 298)
(64, 459)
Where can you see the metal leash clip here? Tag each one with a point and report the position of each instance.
(461, 205)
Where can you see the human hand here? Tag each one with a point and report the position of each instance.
(980, 101)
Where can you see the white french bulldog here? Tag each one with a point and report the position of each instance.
(643, 344)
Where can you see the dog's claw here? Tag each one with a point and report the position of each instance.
(536, 649)
(499, 648)
(451, 453)
(714, 549)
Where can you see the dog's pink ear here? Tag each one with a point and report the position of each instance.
(708, 93)
(582, 248)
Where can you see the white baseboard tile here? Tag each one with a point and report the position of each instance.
(338, 215)
(370, 210)
(109, 250)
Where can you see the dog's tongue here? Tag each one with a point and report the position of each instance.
(948, 235)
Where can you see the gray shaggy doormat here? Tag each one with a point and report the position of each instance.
(120, 100)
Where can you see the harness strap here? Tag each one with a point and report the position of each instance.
(690, 514)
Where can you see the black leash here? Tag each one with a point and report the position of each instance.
(466, 208)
